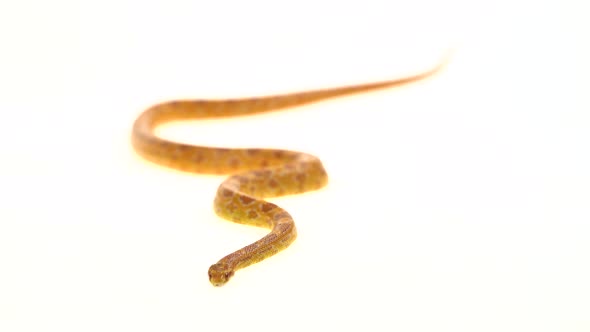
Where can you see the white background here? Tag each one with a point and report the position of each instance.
(459, 203)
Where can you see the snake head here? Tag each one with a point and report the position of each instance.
(220, 273)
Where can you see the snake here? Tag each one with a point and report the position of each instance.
(255, 174)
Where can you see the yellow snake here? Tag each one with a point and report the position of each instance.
(257, 173)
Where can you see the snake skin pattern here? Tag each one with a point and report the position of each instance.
(255, 173)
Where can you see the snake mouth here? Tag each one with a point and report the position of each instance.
(219, 281)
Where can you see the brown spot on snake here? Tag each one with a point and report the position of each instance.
(226, 192)
(266, 207)
(273, 183)
(246, 199)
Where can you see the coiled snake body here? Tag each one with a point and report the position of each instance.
(257, 173)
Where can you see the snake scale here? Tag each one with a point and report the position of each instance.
(255, 173)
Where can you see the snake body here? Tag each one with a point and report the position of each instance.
(257, 173)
